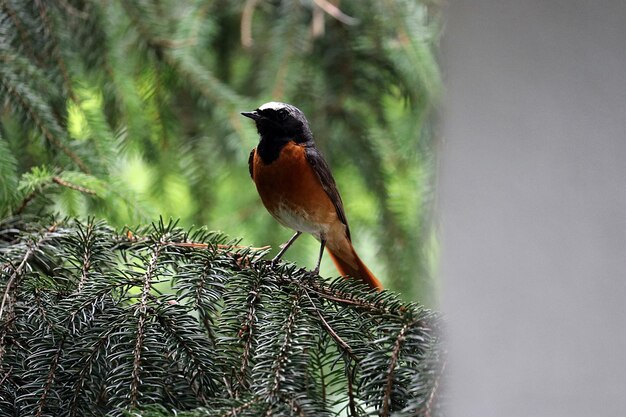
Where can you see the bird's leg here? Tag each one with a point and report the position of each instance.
(285, 247)
(316, 271)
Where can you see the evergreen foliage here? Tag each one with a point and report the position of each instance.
(129, 109)
(125, 110)
(163, 320)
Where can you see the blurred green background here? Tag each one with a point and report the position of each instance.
(129, 110)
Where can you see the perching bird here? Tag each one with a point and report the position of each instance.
(298, 189)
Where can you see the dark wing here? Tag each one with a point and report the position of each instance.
(251, 163)
(319, 165)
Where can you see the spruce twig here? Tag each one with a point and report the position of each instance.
(342, 344)
(395, 356)
(141, 320)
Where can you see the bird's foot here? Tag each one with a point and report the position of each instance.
(274, 262)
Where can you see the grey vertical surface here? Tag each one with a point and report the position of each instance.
(533, 207)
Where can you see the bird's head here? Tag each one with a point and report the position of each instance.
(280, 121)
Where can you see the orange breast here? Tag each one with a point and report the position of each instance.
(292, 192)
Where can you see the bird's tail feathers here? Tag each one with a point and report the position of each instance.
(349, 264)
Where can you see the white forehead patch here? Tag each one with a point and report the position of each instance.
(274, 105)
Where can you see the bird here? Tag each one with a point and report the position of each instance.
(297, 187)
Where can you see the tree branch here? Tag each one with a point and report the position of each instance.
(335, 12)
(342, 344)
(46, 132)
(395, 355)
(141, 308)
(50, 378)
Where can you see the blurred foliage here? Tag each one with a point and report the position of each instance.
(127, 110)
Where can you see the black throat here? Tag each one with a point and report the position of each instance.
(269, 147)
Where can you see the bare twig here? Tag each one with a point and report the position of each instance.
(344, 346)
(317, 23)
(334, 11)
(246, 23)
(219, 246)
(57, 180)
(64, 183)
(25, 202)
(346, 298)
(4, 378)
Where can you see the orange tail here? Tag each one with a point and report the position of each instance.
(349, 264)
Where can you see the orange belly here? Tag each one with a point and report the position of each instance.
(293, 194)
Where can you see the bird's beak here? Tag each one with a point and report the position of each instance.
(254, 115)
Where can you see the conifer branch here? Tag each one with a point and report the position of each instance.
(41, 308)
(9, 292)
(71, 186)
(55, 49)
(235, 411)
(200, 307)
(57, 180)
(5, 376)
(342, 297)
(200, 367)
(85, 370)
(342, 344)
(87, 238)
(10, 284)
(23, 34)
(320, 365)
(281, 356)
(73, 10)
(351, 400)
(34, 116)
(141, 320)
(293, 405)
(54, 363)
(113, 349)
(25, 202)
(434, 390)
(247, 333)
(393, 361)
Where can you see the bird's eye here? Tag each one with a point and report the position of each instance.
(282, 114)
